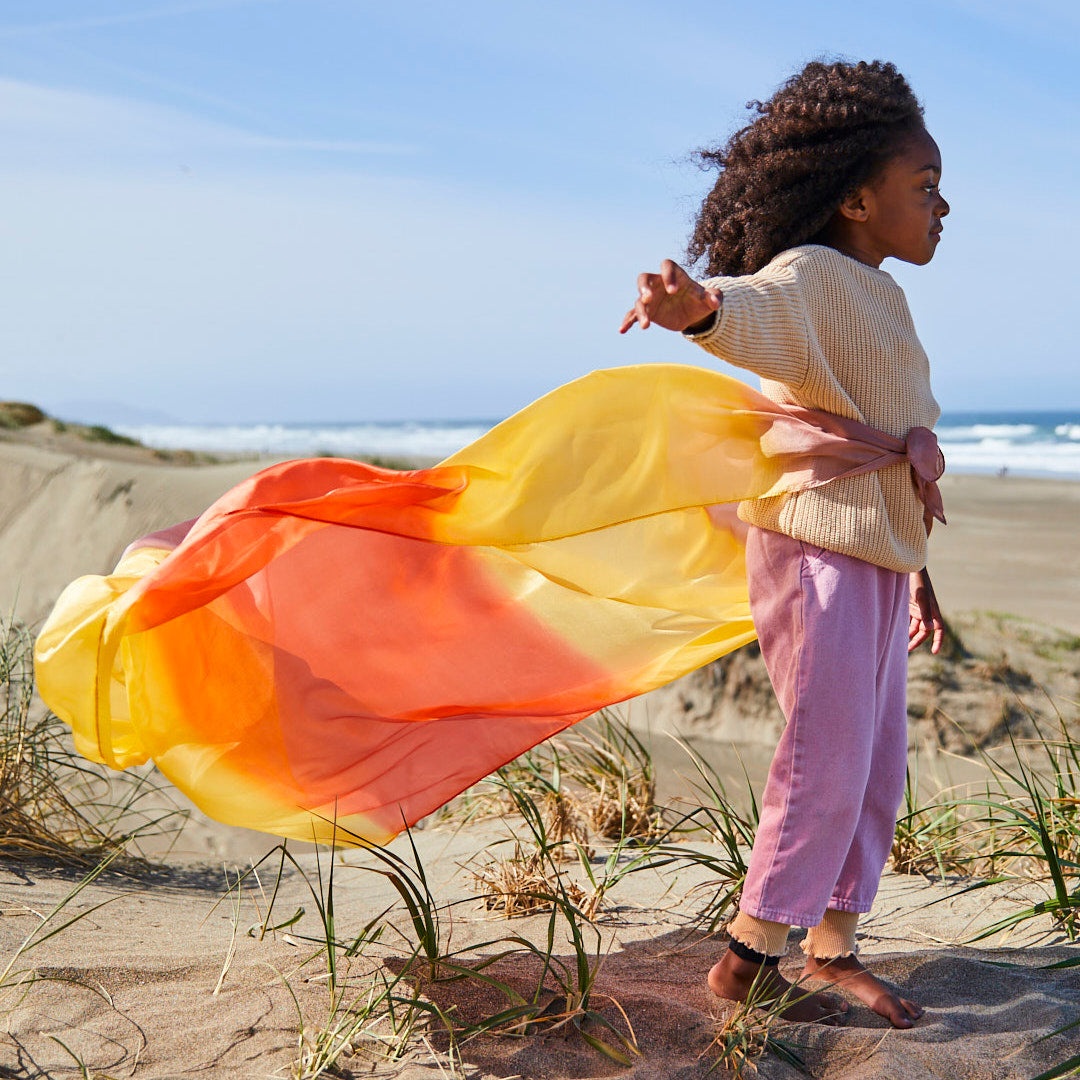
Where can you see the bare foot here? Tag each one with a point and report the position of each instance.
(733, 978)
(848, 972)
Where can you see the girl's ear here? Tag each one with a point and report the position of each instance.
(855, 205)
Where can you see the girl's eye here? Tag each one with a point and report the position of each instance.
(931, 189)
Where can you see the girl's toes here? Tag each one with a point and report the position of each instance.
(894, 1010)
(833, 1009)
(913, 1010)
(825, 1013)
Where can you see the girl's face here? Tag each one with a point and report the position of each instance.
(905, 203)
(899, 212)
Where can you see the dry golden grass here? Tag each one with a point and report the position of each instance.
(37, 817)
(566, 825)
(522, 884)
(744, 1035)
(615, 810)
(52, 802)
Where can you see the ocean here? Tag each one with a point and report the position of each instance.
(1018, 443)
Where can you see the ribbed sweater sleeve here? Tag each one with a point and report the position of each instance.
(762, 324)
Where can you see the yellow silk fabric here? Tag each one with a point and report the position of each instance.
(334, 642)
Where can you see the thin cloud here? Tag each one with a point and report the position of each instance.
(50, 125)
(332, 146)
(93, 22)
(157, 82)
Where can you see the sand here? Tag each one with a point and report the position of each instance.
(1011, 546)
(131, 987)
(129, 990)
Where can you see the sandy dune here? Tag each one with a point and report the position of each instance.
(130, 989)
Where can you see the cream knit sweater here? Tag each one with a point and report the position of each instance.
(828, 332)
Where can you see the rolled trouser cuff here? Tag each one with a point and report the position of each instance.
(833, 937)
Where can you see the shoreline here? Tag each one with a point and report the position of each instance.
(69, 506)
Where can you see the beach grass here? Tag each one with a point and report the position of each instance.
(54, 803)
(746, 1033)
(598, 780)
(729, 826)
(1031, 817)
(1019, 824)
(389, 982)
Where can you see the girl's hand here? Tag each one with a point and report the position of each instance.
(925, 615)
(671, 299)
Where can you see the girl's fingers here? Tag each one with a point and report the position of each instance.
(653, 289)
(639, 313)
(672, 275)
(647, 283)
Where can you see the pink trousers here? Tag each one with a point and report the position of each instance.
(833, 633)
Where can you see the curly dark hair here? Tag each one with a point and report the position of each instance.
(827, 131)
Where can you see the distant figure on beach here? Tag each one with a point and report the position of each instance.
(836, 173)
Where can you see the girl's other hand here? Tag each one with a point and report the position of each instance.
(925, 616)
(671, 299)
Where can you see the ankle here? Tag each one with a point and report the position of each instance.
(848, 962)
(745, 954)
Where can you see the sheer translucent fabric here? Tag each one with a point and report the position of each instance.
(334, 650)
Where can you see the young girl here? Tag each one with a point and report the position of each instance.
(332, 650)
(836, 174)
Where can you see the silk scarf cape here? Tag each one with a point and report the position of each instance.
(334, 650)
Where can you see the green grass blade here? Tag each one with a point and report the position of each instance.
(1066, 1068)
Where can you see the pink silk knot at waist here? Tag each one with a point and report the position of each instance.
(818, 447)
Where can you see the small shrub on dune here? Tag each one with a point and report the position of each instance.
(522, 884)
(19, 414)
(101, 433)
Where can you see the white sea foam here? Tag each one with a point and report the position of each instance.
(987, 431)
(1051, 448)
(435, 440)
(1036, 458)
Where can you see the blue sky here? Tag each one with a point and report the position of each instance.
(334, 209)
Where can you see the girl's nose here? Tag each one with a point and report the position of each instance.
(943, 207)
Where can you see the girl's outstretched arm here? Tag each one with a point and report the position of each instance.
(925, 615)
(671, 299)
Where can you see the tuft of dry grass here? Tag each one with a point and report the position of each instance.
(522, 884)
(37, 817)
(931, 836)
(52, 802)
(611, 773)
(566, 825)
(598, 781)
